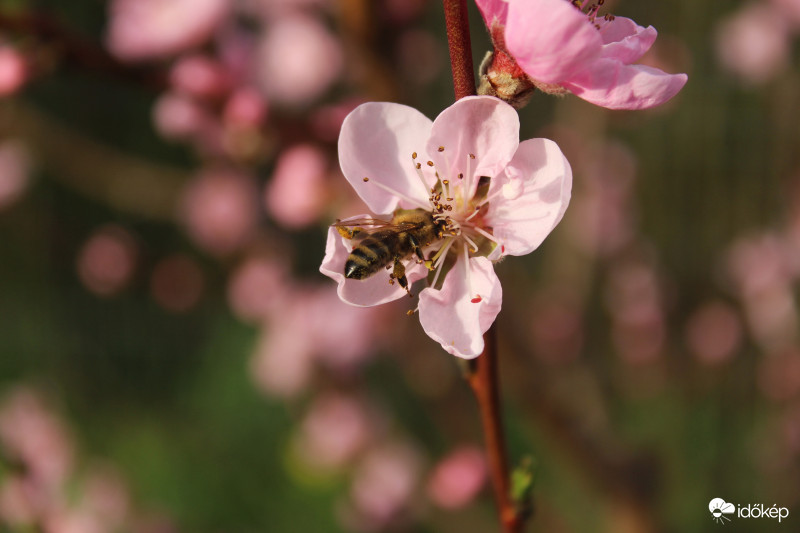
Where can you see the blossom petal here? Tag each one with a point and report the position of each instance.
(550, 39)
(452, 317)
(376, 142)
(522, 218)
(493, 10)
(483, 126)
(624, 40)
(611, 84)
(374, 290)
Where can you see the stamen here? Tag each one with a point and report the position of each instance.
(442, 250)
(441, 148)
(400, 195)
(485, 234)
(471, 242)
(417, 167)
(474, 214)
(437, 259)
(467, 272)
(366, 179)
(467, 185)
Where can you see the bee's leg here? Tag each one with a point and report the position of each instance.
(417, 249)
(347, 232)
(399, 274)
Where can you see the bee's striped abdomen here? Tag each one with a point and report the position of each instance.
(373, 253)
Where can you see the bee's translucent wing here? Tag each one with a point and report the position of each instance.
(374, 223)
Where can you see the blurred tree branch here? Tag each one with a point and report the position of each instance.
(106, 175)
(64, 47)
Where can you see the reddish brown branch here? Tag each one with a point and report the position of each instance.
(455, 17)
(485, 385)
(483, 376)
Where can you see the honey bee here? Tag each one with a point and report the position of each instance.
(387, 243)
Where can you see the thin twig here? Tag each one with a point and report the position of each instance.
(483, 375)
(485, 385)
(455, 17)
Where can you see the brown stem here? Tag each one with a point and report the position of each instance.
(483, 375)
(455, 17)
(485, 385)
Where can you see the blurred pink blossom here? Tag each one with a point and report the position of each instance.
(635, 302)
(556, 325)
(199, 76)
(790, 9)
(177, 283)
(245, 107)
(759, 263)
(458, 477)
(298, 59)
(297, 194)
(151, 29)
(385, 481)
(762, 271)
(336, 428)
(15, 168)
(22, 501)
(30, 433)
(312, 326)
(714, 332)
(282, 363)
(219, 210)
(257, 288)
(179, 117)
(603, 220)
(753, 43)
(13, 70)
(107, 260)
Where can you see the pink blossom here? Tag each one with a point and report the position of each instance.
(714, 333)
(488, 194)
(32, 434)
(107, 260)
(199, 76)
(245, 108)
(147, 29)
(754, 43)
(311, 326)
(256, 289)
(220, 211)
(335, 430)
(458, 478)
(297, 193)
(561, 48)
(178, 117)
(13, 70)
(298, 60)
(385, 481)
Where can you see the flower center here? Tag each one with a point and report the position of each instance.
(459, 203)
(591, 10)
